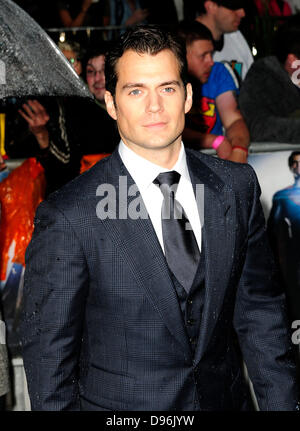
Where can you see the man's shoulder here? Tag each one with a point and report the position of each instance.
(231, 173)
(221, 69)
(236, 40)
(234, 36)
(286, 193)
(221, 79)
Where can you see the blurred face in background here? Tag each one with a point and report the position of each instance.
(199, 58)
(227, 20)
(71, 56)
(95, 77)
(295, 168)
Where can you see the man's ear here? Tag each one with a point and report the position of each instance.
(110, 105)
(210, 6)
(189, 98)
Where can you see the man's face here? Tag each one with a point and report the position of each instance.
(95, 77)
(150, 102)
(71, 56)
(295, 168)
(199, 57)
(227, 20)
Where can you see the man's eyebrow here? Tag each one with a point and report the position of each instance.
(142, 85)
(174, 82)
(133, 84)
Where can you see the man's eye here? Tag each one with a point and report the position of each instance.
(135, 92)
(168, 90)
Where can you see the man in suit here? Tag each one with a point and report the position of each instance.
(147, 275)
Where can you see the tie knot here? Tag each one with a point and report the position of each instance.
(171, 179)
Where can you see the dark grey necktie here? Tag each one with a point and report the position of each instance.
(181, 248)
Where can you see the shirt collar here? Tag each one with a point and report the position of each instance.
(144, 172)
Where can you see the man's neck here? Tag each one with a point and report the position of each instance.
(164, 157)
(209, 23)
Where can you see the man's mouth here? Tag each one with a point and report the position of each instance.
(155, 126)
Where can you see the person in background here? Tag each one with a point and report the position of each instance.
(73, 53)
(270, 95)
(126, 12)
(75, 127)
(169, 12)
(215, 107)
(50, 121)
(284, 234)
(223, 18)
(76, 13)
(95, 129)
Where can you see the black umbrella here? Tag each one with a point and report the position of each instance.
(30, 62)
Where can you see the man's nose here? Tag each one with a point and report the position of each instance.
(155, 103)
(99, 76)
(241, 13)
(209, 60)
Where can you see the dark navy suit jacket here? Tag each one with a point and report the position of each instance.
(102, 327)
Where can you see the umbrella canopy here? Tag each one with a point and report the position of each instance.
(30, 62)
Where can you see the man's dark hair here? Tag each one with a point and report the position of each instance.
(95, 51)
(291, 157)
(191, 31)
(229, 4)
(144, 39)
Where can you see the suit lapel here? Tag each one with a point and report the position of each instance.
(218, 219)
(138, 244)
(148, 264)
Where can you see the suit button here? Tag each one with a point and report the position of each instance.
(191, 322)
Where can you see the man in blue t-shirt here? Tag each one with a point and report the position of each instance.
(215, 120)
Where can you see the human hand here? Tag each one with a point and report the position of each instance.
(238, 155)
(35, 115)
(37, 118)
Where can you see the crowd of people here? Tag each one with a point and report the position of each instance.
(233, 102)
(236, 99)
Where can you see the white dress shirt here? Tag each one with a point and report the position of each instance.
(144, 173)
